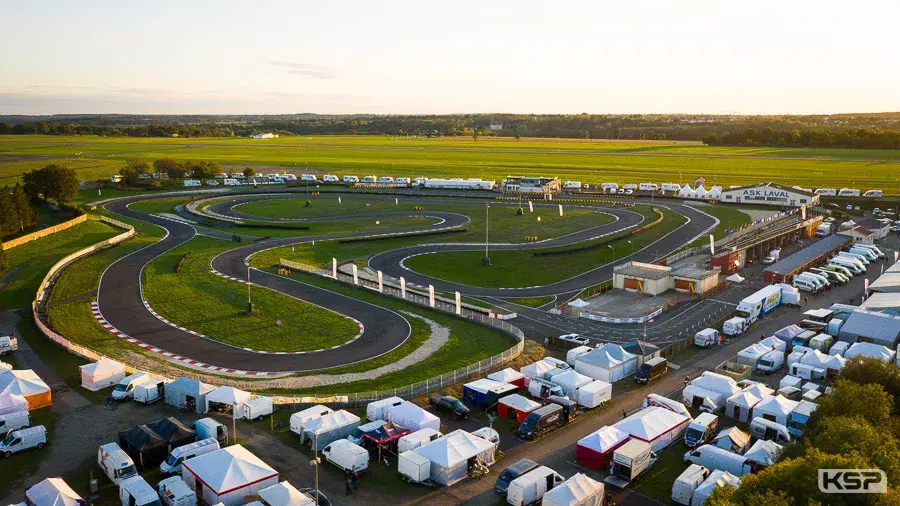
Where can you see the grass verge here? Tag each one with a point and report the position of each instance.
(532, 301)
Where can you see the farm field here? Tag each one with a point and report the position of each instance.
(494, 158)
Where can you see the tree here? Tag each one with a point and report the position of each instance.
(868, 402)
(842, 435)
(169, 166)
(26, 215)
(205, 170)
(249, 172)
(9, 218)
(52, 182)
(868, 370)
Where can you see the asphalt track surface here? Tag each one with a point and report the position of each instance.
(120, 301)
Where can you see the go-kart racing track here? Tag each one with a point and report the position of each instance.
(120, 301)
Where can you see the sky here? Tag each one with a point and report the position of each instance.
(404, 57)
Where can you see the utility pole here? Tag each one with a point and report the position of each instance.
(249, 302)
(487, 222)
(315, 462)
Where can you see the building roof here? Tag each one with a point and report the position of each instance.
(769, 185)
(878, 327)
(872, 224)
(887, 282)
(695, 272)
(790, 264)
(884, 302)
(643, 271)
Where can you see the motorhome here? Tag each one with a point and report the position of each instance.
(14, 420)
(671, 187)
(609, 187)
(115, 463)
(701, 430)
(125, 388)
(767, 429)
(135, 491)
(369, 179)
(759, 304)
(848, 192)
(826, 192)
(531, 486)
(172, 464)
(648, 187)
(402, 181)
(713, 457)
(873, 194)
(329, 178)
(385, 180)
(572, 185)
(23, 439)
(351, 179)
(309, 178)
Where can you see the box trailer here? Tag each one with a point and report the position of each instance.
(413, 467)
(630, 460)
(531, 486)
(256, 409)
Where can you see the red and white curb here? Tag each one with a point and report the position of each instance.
(185, 361)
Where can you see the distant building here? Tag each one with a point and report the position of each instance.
(267, 135)
(524, 184)
(769, 194)
(495, 126)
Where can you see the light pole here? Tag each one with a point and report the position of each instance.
(249, 302)
(315, 463)
(487, 222)
(632, 247)
(613, 252)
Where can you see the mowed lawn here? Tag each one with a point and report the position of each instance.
(28, 264)
(575, 159)
(199, 300)
(521, 268)
(729, 219)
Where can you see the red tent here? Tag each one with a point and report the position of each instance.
(595, 450)
(386, 435)
(516, 406)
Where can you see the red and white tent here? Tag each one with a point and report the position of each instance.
(517, 406)
(596, 449)
(656, 426)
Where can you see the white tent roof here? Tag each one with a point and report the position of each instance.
(230, 468)
(332, 420)
(570, 379)
(777, 404)
(650, 423)
(716, 479)
(22, 382)
(519, 402)
(717, 383)
(453, 449)
(575, 490)
(507, 375)
(595, 386)
(536, 369)
(284, 494)
(815, 358)
(764, 452)
(735, 278)
(616, 351)
(103, 367)
(774, 341)
(604, 438)
(870, 350)
(759, 390)
(579, 303)
(53, 492)
(4, 366)
(10, 403)
(754, 351)
(835, 362)
(607, 356)
(484, 385)
(744, 399)
(228, 395)
(407, 414)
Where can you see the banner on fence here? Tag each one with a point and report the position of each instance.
(607, 319)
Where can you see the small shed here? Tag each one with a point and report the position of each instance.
(52, 492)
(225, 398)
(649, 279)
(595, 451)
(451, 454)
(188, 391)
(28, 384)
(516, 407)
(510, 376)
(775, 408)
(579, 490)
(228, 475)
(101, 374)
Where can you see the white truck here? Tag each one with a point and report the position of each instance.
(531, 486)
(150, 390)
(125, 388)
(630, 461)
(734, 326)
(135, 491)
(824, 229)
(329, 178)
(115, 463)
(759, 304)
(773, 257)
(174, 492)
(706, 338)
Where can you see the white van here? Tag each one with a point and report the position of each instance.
(805, 285)
(854, 256)
(685, 485)
(873, 194)
(826, 192)
(572, 185)
(369, 179)
(23, 439)
(329, 178)
(231, 182)
(351, 179)
(767, 429)
(531, 486)
(853, 267)
(150, 390)
(871, 255)
(734, 326)
(347, 456)
(770, 362)
(848, 192)
(820, 282)
(174, 492)
(870, 247)
(14, 420)
(648, 187)
(115, 463)
(135, 491)
(706, 338)
(386, 180)
(308, 177)
(375, 410)
(701, 430)
(609, 187)
(125, 388)
(172, 464)
(257, 408)
(713, 457)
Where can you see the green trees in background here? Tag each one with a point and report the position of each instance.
(204, 170)
(170, 166)
(857, 426)
(52, 183)
(131, 173)
(16, 214)
(249, 172)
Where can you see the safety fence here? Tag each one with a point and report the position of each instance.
(608, 319)
(18, 241)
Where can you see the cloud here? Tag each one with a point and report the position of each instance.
(307, 69)
(145, 92)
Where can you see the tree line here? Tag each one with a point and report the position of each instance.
(16, 213)
(133, 171)
(859, 138)
(856, 426)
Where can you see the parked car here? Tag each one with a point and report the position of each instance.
(451, 404)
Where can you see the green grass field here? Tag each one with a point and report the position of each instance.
(588, 161)
(29, 263)
(521, 268)
(729, 218)
(196, 299)
(532, 301)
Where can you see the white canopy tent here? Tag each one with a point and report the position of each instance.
(776, 408)
(227, 396)
(656, 426)
(449, 455)
(572, 354)
(228, 475)
(608, 363)
(285, 494)
(773, 343)
(52, 492)
(412, 417)
(536, 369)
(715, 480)
(763, 452)
(578, 303)
(11, 403)
(29, 385)
(870, 350)
(735, 278)
(101, 374)
(759, 390)
(579, 490)
(596, 449)
(740, 405)
(570, 381)
(508, 375)
(330, 427)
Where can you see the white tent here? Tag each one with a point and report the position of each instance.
(686, 192)
(715, 192)
(508, 375)
(763, 453)
(773, 343)
(750, 355)
(839, 348)
(715, 480)
(27, 384)
(740, 405)
(656, 426)
(579, 490)
(594, 394)
(596, 449)
(700, 193)
(570, 381)
(578, 303)
(300, 420)
(776, 408)
(52, 492)
(449, 455)
(572, 354)
(536, 370)
(735, 278)
(759, 390)
(608, 363)
(870, 350)
(284, 494)
(228, 396)
(816, 358)
(696, 397)
(228, 475)
(412, 417)
(101, 374)
(710, 386)
(796, 355)
(10, 403)
(330, 427)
